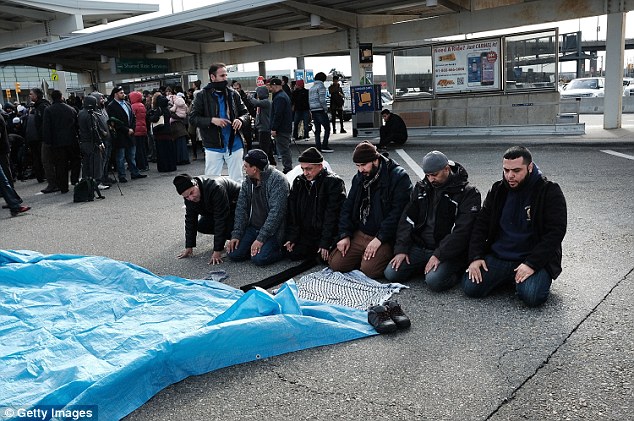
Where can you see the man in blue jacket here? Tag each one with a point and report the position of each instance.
(518, 234)
(370, 214)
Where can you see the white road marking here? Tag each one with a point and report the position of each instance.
(619, 154)
(412, 164)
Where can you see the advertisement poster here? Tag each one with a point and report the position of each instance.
(365, 98)
(467, 66)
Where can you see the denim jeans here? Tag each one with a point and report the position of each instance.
(127, 154)
(444, 277)
(8, 193)
(320, 118)
(301, 116)
(533, 291)
(270, 252)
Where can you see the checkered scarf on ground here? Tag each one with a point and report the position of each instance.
(351, 289)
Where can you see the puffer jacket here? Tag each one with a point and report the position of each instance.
(179, 107)
(456, 211)
(139, 110)
(317, 97)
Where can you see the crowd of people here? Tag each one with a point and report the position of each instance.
(438, 229)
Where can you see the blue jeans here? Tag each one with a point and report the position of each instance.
(533, 291)
(123, 155)
(444, 277)
(301, 116)
(320, 118)
(8, 192)
(271, 251)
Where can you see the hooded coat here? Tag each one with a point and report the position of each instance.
(140, 112)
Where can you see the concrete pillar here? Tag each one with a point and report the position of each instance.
(203, 76)
(389, 72)
(614, 51)
(301, 64)
(262, 69)
(60, 83)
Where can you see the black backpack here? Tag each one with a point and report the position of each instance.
(86, 190)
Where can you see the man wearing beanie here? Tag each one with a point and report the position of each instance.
(219, 113)
(314, 206)
(517, 236)
(210, 205)
(433, 233)
(258, 231)
(370, 213)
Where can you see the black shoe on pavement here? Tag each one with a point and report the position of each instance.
(342, 131)
(396, 314)
(379, 317)
(50, 190)
(122, 180)
(136, 177)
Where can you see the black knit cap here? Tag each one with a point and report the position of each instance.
(365, 152)
(311, 156)
(257, 157)
(183, 182)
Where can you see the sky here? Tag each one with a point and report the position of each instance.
(594, 28)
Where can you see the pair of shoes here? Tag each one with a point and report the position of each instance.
(50, 190)
(136, 177)
(388, 318)
(20, 210)
(103, 187)
(327, 150)
(122, 180)
(342, 131)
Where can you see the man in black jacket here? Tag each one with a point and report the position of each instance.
(33, 136)
(370, 214)
(314, 205)
(518, 234)
(213, 199)
(282, 123)
(59, 131)
(393, 131)
(434, 230)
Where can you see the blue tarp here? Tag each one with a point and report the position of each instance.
(86, 330)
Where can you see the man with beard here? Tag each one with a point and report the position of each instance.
(370, 214)
(314, 205)
(219, 113)
(517, 235)
(213, 199)
(433, 233)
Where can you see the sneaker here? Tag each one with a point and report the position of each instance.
(342, 131)
(397, 315)
(103, 187)
(20, 210)
(136, 177)
(379, 317)
(327, 150)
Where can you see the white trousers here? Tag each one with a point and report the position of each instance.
(215, 160)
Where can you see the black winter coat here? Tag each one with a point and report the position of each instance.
(324, 209)
(456, 212)
(218, 198)
(394, 190)
(118, 118)
(59, 127)
(281, 114)
(205, 107)
(548, 215)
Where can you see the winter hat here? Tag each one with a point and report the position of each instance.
(262, 92)
(180, 94)
(276, 81)
(115, 90)
(299, 83)
(16, 120)
(183, 182)
(311, 156)
(365, 152)
(257, 157)
(21, 108)
(435, 161)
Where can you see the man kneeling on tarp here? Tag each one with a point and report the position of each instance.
(213, 199)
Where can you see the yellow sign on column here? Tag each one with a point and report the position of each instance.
(54, 75)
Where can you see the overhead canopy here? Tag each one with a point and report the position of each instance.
(255, 30)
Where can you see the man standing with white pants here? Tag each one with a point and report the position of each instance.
(219, 113)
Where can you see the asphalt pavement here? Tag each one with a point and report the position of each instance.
(462, 359)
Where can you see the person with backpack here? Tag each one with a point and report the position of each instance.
(93, 129)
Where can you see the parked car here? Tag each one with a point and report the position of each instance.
(386, 99)
(586, 87)
(628, 86)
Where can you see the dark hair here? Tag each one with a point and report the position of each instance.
(198, 83)
(385, 112)
(335, 77)
(214, 68)
(321, 76)
(515, 152)
(285, 79)
(38, 93)
(56, 95)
